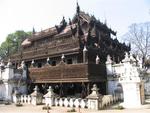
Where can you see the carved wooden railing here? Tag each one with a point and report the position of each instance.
(67, 73)
(47, 50)
(54, 41)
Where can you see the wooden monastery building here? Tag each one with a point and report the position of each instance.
(70, 56)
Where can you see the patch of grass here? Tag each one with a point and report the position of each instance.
(7, 103)
(46, 108)
(119, 107)
(19, 105)
(71, 110)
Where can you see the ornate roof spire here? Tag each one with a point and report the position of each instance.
(70, 22)
(93, 31)
(33, 31)
(78, 8)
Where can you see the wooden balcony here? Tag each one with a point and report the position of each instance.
(68, 73)
(47, 51)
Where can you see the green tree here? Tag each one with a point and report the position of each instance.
(12, 44)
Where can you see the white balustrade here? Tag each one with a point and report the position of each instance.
(107, 100)
(66, 102)
(71, 102)
(22, 98)
(61, 102)
(56, 102)
(83, 103)
(25, 98)
(29, 99)
(76, 103)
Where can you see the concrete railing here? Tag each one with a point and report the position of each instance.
(51, 99)
(22, 99)
(25, 99)
(107, 100)
(71, 102)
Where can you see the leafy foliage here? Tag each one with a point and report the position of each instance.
(12, 44)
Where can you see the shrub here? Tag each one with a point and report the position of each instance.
(19, 105)
(7, 103)
(46, 108)
(120, 107)
(71, 110)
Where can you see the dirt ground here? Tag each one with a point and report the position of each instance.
(38, 109)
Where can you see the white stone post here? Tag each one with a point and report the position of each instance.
(9, 72)
(24, 73)
(50, 97)
(23, 87)
(36, 97)
(32, 63)
(16, 97)
(130, 83)
(85, 59)
(8, 87)
(2, 67)
(109, 66)
(63, 58)
(131, 92)
(97, 59)
(7, 77)
(94, 99)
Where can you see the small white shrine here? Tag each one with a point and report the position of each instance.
(12, 79)
(124, 79)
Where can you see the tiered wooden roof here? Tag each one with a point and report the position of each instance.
(82, 30)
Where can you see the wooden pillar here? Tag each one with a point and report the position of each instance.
(61, 90)
(84, 90)
(88, 88)
(106, 87)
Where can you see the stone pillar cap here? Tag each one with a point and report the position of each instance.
(109, 61)
(36, 92)
(2, 63)
(132, 58)
(32, 61)
(85, 49)
(9, 63)
(50, 93)
(126, 59)
(63, 56)
(16, 92)
(95, 94)
(97, 57)
(48, 59)
(23, 66)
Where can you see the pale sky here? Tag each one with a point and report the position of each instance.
(42, 14)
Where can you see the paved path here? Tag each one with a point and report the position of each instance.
(38, 109)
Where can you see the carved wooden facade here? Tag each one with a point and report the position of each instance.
(68, 73)
(70, 39)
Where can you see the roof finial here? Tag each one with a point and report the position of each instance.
(70, 23)
(33, 31)
(105, 22)
(78, 8)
